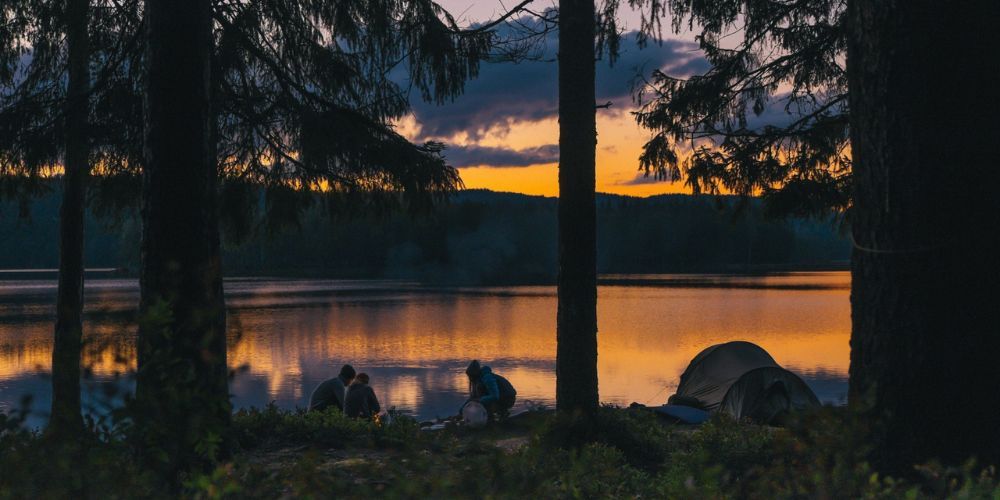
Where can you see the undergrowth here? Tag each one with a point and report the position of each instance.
(618, 453)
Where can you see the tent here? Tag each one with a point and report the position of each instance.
(743, 380)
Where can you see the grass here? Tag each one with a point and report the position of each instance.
(620, 453)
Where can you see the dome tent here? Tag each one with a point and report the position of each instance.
(743, 380)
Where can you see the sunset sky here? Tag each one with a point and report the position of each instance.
(503, 132)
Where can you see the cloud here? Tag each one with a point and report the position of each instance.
(508, 93)
(641, 179)
(692, 66)
(477, 156)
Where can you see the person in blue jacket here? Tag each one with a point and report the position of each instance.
(491, 390)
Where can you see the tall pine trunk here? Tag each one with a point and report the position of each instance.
(182, 389)
(926, 222)
(66, 419)
(576, 356)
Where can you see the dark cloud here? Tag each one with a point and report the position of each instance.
(506, 93)
(474, 156)
(694, 65)
(640, 179)
(780, 112)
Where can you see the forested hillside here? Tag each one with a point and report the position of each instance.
(479, 237)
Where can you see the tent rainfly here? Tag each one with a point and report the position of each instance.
(743, 380)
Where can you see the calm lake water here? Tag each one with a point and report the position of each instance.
(286, 336)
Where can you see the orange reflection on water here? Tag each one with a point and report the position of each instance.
(415, 341)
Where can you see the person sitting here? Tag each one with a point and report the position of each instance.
(332, 392)
(361, 401)
(492, 391)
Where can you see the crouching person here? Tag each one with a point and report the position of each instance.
(332, 392)
(492, 391)
(361, 401)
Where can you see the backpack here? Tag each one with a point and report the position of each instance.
(506, 389)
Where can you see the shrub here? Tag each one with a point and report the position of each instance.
(330, 428)
(639, 435)
(618, 453)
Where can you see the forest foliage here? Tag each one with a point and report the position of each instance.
(769, 118)
(480, 237)
(620, 453)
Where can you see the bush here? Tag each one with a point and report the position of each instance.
(638, 434)
(35, 467)
(331, 428)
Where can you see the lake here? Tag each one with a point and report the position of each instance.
(288, 335)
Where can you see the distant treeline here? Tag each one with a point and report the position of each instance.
(478, 237)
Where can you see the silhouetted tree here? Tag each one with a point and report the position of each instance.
(294, 107)
(576, 327)
(290, 95)
(770, 115)
(305, 97)
(46, 110)
(182, 387)
(585, 34)
(925, 339)
(921, 105)
(66, 417)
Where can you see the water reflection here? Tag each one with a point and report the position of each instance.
(414, 341)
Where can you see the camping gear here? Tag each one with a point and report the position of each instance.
(682, 414)
(674, 413)
(474, 414)
(743, 380)
(442, 423)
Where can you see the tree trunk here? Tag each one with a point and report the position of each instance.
(66, 420)
(182, 388)
(576, 357)
(926, 222)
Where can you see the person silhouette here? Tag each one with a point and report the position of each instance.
(332, 392)
(361, 401)
(492, 391)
